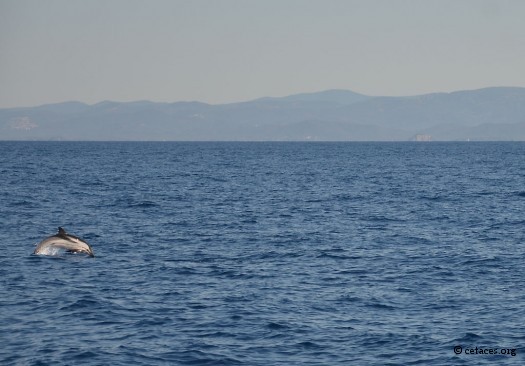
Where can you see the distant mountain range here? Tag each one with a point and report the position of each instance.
(496, 114)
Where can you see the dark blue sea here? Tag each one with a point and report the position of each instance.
(264, 253)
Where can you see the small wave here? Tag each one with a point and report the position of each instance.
(485, 262)
(276, 326)
(249, 221)
(84, 356)
(336, 256)
(349, 298)
(144, 204)
(381, 306)
(468, 337)
(376, 304)
(24, 203)
(152, 321)
(133, 203)
(435, 198)
(196, 357)
(382, 218)
(309, 345)
(347, 197)
(81, 304)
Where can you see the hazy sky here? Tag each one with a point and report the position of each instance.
(220, 51)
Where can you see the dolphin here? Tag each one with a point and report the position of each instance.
(63, 241)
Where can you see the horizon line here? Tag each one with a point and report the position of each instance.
(72, 101)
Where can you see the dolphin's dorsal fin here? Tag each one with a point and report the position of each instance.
(61, 231)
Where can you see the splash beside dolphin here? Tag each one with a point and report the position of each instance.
(63, 242)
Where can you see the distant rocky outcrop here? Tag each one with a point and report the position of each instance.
(336, 115)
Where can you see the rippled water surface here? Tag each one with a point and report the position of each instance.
(264, 253)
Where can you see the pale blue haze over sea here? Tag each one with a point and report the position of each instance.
(264, 253)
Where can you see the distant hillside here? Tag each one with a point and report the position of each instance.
(333, 115)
